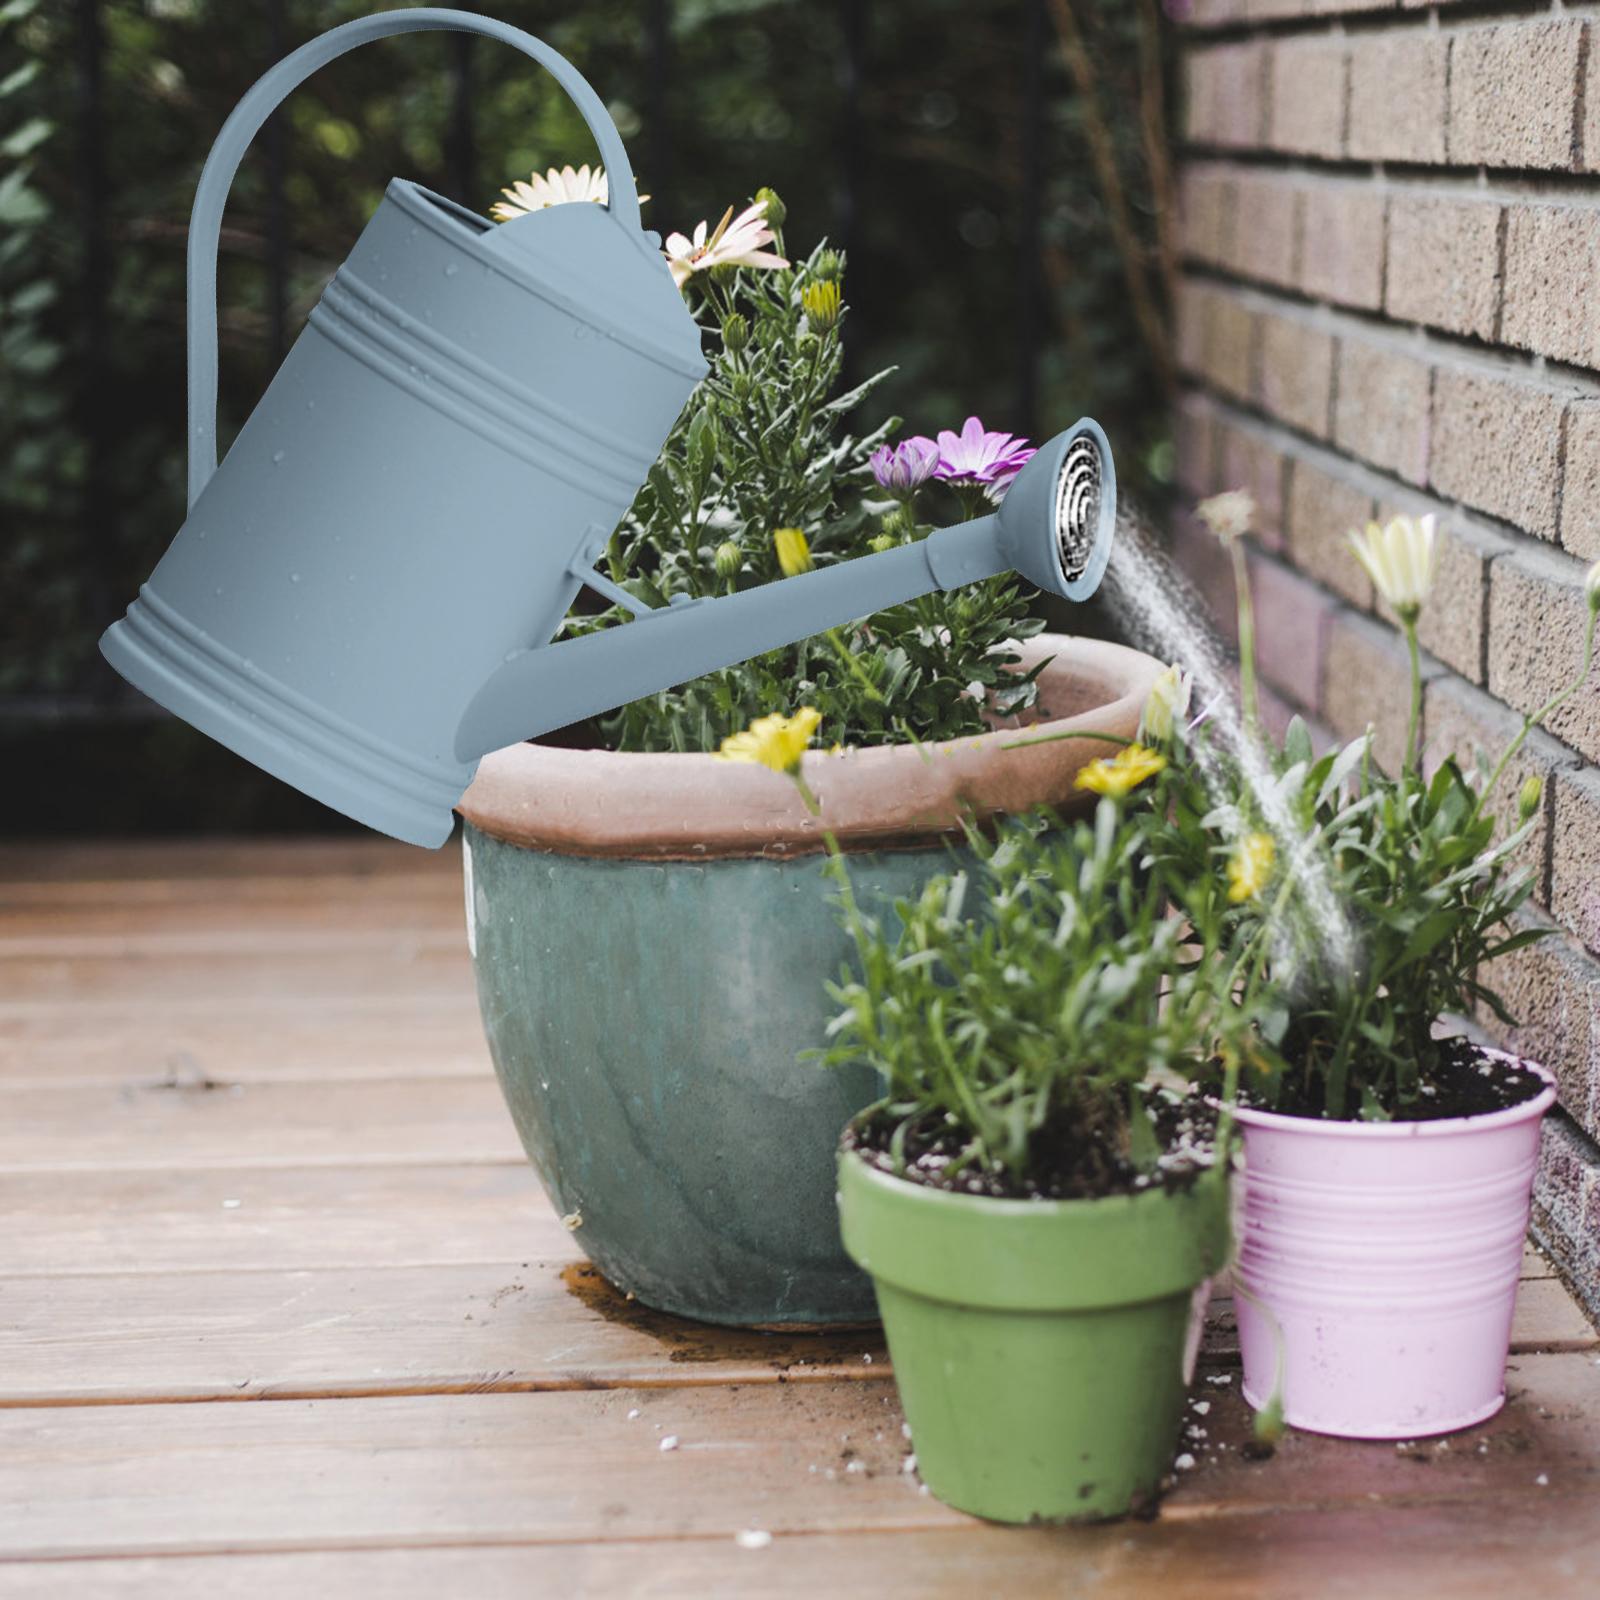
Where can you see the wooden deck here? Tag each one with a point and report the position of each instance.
(251, 1150)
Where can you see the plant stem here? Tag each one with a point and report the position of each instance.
(853, 666)
(1247, 634)
(1414, 721)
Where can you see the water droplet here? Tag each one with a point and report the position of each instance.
(277, 456)
(311, 405)
(218, 589)
(451, 269)
(294, 577)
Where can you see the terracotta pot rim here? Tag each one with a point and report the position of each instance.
(693, 807)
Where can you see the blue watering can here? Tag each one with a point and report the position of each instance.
(363, 598)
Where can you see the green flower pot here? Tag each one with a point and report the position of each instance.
(1043, 1349)
(652, 936)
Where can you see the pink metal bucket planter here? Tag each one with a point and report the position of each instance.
(1387, 1255)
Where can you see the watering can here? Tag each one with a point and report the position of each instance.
(363, 598)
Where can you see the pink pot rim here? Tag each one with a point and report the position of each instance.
(1442, 1127)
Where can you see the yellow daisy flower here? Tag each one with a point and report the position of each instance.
(777, 741)
(1124, 771)
(1251, 867)
(794, 554)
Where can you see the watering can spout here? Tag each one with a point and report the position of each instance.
(1055, 527)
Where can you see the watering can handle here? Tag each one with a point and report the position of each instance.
(216, 179)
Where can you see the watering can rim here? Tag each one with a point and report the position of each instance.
(459, 226)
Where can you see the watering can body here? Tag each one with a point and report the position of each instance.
(403, 507)
(468, 404)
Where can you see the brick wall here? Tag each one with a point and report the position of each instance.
(1391, 302)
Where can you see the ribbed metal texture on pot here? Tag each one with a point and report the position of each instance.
(1388, 1256)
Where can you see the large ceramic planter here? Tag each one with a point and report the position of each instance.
(1382, 1260)
(1042, 1350)
(652, 935)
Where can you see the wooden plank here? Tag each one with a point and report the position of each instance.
(332, 1216)
(1549, 1430)
(354, 1123)
(113, 860)
(270, 928)
(576, 1466)
(160, 1048)
(109, 1480)
(25, 1021)
(1548, 1548)
(547, 1323)
(407, 966)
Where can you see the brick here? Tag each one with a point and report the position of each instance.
(1217, 338)
(1249, 460)
(1552, 257)
(1192, 302)
(1323, 510)
(1296, 373)
(1205, 214)
(1566, 1207)
(1444, 264)
(1497, 444)
(1195, 445)
(1537, 614)
(1514, 94)
(1307, 97)
(1265, 240)
(1342, 244)
(1552, 988)
(1293, 616)
(1463, 721)
(1383, 412)
(1574, 894)
(1205, 568)
(1225, 89)
(1580, 485)
(1364, 678)
(1398, 85)
(1231, 335)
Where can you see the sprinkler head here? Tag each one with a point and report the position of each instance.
(1058, 519)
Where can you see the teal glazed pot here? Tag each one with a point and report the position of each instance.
(652, 936)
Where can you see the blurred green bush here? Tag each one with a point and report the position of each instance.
(928, 185)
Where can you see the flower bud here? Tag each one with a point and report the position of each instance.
(773, 211)
(821, 304)
(899, 524)
(735, 333)
(729, 558)
(1591, 587)
(880, 542)
(830, 266)
(1528, 798)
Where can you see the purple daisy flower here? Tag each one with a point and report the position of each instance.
(902, 469)
(977, 456)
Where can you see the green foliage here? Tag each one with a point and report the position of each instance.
(1415, 866)
(1410, 861)
(765, 444)
(36, 441)
(1034, 994)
